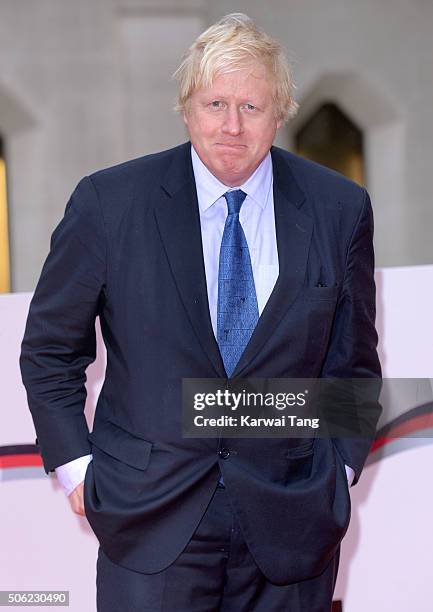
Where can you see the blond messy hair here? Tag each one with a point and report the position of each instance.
(229, 45)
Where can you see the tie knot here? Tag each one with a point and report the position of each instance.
(234, 200)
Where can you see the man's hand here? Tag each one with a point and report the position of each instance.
(76, 499)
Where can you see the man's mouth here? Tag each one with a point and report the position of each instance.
(230, 145)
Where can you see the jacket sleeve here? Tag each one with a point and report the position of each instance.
(352, 350)
(59, 339)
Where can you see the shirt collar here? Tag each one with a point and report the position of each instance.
(210, 189)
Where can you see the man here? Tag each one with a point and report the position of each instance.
(224, 256)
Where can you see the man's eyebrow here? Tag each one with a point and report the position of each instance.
(245, 99)
(208, 94)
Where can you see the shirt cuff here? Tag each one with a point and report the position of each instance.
(72, 473)
(350, 475)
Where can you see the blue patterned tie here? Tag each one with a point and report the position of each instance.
(238, 312)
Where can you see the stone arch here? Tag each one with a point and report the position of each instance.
(331, 138)
(382, 124)
(14, 116)
(16, 123)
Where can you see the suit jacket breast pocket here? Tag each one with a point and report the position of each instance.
(300, 461)
(315, 312)
(320, 293)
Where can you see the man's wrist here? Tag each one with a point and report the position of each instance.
(71, 474)
(350, 475)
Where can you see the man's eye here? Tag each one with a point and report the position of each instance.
(250, 106)
(216, 104)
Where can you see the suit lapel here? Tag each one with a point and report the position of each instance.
(294, 230)
(178, 221)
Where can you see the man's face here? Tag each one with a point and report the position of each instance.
(232, 124)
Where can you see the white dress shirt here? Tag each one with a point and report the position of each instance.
(258, 222)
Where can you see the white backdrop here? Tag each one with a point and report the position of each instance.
(387, 554)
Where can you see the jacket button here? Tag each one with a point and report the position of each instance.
(224, 453)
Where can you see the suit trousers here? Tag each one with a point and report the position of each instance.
(215, 572)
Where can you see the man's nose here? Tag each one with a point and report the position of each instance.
(233, 122)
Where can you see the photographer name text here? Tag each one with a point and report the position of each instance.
(249, 421)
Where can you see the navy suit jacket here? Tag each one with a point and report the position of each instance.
(129, 251)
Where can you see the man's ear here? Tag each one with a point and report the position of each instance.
(185, 112)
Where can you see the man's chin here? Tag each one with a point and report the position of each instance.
(227, 169)
(232, 178)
